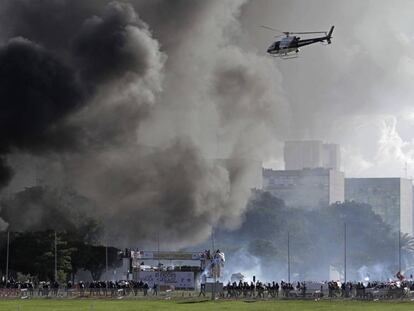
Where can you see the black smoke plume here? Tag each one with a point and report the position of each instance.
(36, 92)
(109, 46)
(6, 173)
(130, 115)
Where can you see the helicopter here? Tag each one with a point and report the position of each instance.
(291, 44)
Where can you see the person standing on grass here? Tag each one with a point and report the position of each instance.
(203, 286)
(145, 287)
(155, 289)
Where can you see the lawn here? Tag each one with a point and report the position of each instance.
(152, 305)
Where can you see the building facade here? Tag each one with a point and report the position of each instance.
(331, 157)
(307, 188)
(390, 198)
(311, 154)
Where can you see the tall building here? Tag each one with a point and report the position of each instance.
(303, 154)
(390, 198)
(331, 157)
(307, 188)
(311, 154)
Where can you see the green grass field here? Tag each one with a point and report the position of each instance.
(152, 305)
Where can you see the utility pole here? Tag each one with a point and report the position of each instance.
(213, 294)
(212, 239)
(159, 261)
(344, 252)
(288, 248)
(106, 258)
(7, 256)
(55, 257)
(158, 249)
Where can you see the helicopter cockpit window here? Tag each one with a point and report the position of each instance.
(285, 42)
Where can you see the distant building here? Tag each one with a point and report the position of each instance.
(302, 154)
(390, 198)
(311, 154)
(331, 157)
(307, 188)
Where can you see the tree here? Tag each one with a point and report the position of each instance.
(93, 258)
(316, 238)
(34, 253)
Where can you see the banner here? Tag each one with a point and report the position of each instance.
(178, 279)
(164, 255)
(136, 259)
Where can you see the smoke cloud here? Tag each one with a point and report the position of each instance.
(6, 173)
(37, 92)
(150, 109)
(117, 38)
(158, 113)
(43, 208)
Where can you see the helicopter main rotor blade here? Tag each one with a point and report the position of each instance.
(272, 29)
(269, 28)
(287, 33)
(307, 32)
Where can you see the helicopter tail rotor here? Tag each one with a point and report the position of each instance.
(329, 36)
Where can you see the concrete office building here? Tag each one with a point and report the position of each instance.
(331, 157)
(390, 198)
(311, 154)
(307, 188)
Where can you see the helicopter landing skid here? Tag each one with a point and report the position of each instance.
(286, 56)
(289, 56)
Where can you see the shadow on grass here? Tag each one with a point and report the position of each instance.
(193, 301)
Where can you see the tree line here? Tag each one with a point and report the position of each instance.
(316, 240)
(32, 254)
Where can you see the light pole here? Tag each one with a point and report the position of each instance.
(55, 257)
(288, 256)
(213, 294)
(7, 256)
(106, 259)
(344, 252)
(399, 251)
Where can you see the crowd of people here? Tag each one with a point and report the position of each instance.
(259, 289)
(235, 290)
(370, 290)
(262, 290)
(93, 288)
(317, 290)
